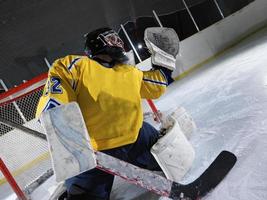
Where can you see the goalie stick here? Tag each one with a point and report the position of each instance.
(208, 180)
(211, 177)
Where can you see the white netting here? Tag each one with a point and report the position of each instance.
(25, 155)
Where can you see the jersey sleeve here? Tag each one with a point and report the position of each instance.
(154, 84)
(60, 87)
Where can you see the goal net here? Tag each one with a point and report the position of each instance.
(26, 156)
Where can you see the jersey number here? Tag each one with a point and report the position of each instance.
(55, 85)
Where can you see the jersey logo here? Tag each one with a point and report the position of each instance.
(51, 104)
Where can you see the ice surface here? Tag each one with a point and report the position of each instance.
(228, 100)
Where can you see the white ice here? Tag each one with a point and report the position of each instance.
(228, 100)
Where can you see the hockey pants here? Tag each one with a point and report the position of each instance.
(96, 184)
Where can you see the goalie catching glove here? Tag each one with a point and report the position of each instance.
(163, 44)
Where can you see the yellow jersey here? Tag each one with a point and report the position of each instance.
(109, 98)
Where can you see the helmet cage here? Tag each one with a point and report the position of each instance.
(111, 38)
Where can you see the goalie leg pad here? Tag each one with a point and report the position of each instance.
(68, 141)
(174, 153)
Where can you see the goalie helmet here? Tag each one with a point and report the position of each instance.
(105, 41)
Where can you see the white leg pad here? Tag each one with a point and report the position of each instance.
(173, 152)
(68, 141)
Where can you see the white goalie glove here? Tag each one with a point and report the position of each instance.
(163, 44)
(185, 121)
(173, 151)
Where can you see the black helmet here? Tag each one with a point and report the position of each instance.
(105, 41)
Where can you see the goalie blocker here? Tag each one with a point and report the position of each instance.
(173, 152)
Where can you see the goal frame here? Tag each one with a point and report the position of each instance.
(10, 97)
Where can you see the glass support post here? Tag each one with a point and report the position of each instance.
(157, 18)
(130, 41)
(189, 12)
(219, 9)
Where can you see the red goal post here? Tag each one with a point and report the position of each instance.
(26, 157)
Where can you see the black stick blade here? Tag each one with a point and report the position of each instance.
(211, 177)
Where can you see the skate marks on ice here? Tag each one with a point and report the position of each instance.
(228, 101)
